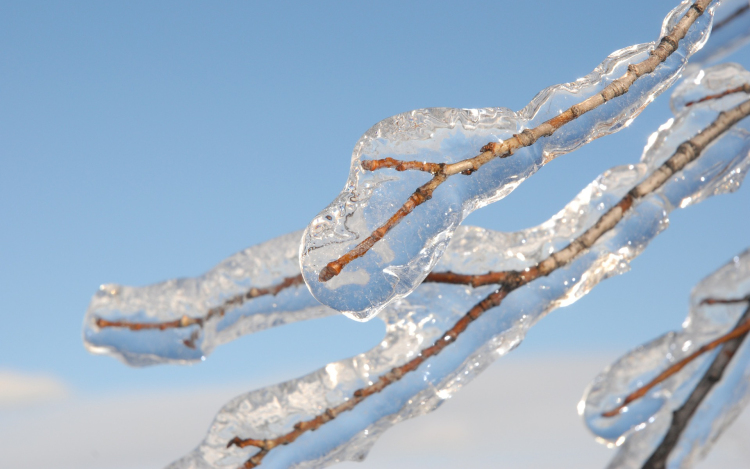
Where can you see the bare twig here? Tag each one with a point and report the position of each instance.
(510, 281)
(681, 417)
(739, 331)
(217, 311)
(528, 137)
(740, 89)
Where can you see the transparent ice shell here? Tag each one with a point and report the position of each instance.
(270, 263)
(260, 266)
(399, 262)
(414, 322)
(640, 430)
(730, 31)
(646, 420)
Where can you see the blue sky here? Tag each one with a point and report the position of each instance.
(143, 141)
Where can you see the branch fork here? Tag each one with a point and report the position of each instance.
(740, 330)
(441, 171)
(508, 281)
(215, 312)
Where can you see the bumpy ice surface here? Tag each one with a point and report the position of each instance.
(397, 264)
(647, 420)
(260, 266)
(413, 323)
(731, 30)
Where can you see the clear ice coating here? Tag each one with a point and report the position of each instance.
(167, 303)
(730, 31)
(643, 426)
(413, 323)
(646, 420)
(399, 262)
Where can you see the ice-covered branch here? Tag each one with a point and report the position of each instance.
(673, 419)
(214, 313)
(740, 89)
(171, 306)
(681, 417)
(686, 153)
(182, 320)
(739, 331)
(366, 217)
(504, 149)
(349, 403)
(731, 31)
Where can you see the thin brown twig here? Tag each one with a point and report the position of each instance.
(528, 137)
(737, 13)
(682, 416)
(398, 165)
(509, 281)
(467, 279)
(252, 293)
(719, 301)
(217, 311)
(685, 153)
(740, 89)
(740, 330)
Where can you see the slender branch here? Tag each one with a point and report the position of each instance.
(682, 416)
(288, 282)
(719, 301)
(740, 330)
(740, 89)
(737, 13)
(217, 311)
(467, 279)
(686, 152)
(374, 165)
(528, 137)
(510, 281)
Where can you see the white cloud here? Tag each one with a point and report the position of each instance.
(520, 413)
(23, 389)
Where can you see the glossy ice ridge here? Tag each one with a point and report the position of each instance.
(260, 266)
(272, 262)
(730, 31)
(643, 426)
(414, 322)
(397, 264)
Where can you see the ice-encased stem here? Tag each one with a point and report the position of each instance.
(686, 153)
(183, 320)
(730, 32)
(739, 331)
(399, 255)
(686, 413)
(433, 309)
(528, 137)
(681, 417)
